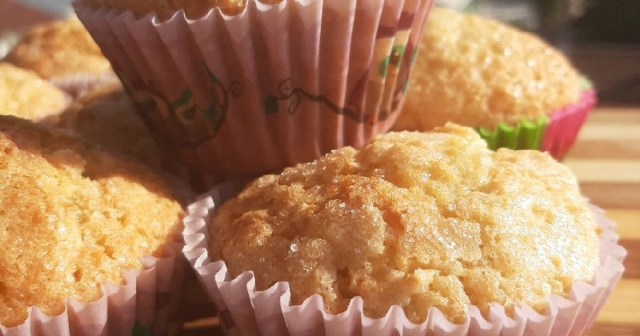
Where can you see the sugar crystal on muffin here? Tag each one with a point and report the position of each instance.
(417, 220)
(72, 217)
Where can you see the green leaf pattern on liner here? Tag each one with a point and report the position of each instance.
(394, 59)
(526, 134)
(140, 330)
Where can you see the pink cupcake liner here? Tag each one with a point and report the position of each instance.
(554, 134)
(148, 303)
(268, 88)
(144, 304)
(245, 310)
(564, 125)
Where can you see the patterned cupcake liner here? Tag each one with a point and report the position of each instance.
(554, 134)
(245, 310)
(267, 88)
(147, 304)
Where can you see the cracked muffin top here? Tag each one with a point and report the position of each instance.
(71, 218)
(416, 220)
(479, 72)
(58, 50)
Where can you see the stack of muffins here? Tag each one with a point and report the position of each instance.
(351, 229)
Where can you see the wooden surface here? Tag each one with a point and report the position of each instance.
(606, 159)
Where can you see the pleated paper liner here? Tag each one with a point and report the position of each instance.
(245, 310)
(267, 88)
(554, 134)
(147, 304)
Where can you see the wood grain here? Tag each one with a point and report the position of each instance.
(606, 160)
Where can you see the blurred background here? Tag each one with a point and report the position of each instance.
(602, 37)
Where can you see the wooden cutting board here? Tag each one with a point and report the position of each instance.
(606, 160)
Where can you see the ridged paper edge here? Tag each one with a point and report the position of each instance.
(128, 309)
(582, 303)
(554, 134)
(217, 51)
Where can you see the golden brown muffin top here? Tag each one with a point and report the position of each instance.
(72, 218)
(24, 94)
(478, 72)
(106, 116)
(416, 220)
(165, 9)
(59, 49)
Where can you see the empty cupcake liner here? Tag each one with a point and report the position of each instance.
(245, 310)
(267, 88)
(554, 134)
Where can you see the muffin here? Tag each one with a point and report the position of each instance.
(414, 225)
(24, 94)
(84, 232)
(64, 53)
(106, 116)
(241, 88)
(514, 88)
(165, 9)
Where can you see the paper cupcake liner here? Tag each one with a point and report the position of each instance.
(526, 134)
(245, 310)
(76, 85)
(143, 306)
(268, 88)
(565, 124)
(147, 304)
(554, 134)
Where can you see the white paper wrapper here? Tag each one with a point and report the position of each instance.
(244, 310)
(76, 85)
(268, 88)
(147, 304)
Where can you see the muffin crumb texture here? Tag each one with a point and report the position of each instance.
(478, 72)
(415, 220)
(105, 111)
(24, 94)
(58, 50)
(72, 218)
(165, 9)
